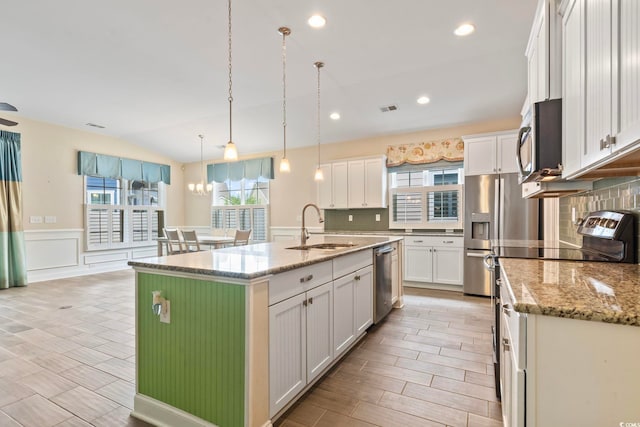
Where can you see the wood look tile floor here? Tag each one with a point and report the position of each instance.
(67, 358)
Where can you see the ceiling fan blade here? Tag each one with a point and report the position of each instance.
(7, 122)
(7, 107)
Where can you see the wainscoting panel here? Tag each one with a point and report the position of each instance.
(52, 249)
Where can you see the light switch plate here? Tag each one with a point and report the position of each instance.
(35, 219)
(50, 219)
(165, 317)
(350, 218)
(378, 217)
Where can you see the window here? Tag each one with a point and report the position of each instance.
(426, 198)
(121, 213)
(242, 205)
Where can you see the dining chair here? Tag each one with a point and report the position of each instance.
(174, 243)
(242, 237)
(190, 240)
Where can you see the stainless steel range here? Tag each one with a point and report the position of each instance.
(608, 236)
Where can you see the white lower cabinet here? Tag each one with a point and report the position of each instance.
(316, 313)
(364, 299)
(432, 259)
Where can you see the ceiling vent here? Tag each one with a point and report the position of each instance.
(389, 108)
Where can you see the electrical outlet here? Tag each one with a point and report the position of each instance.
(165, 314)
(35, 219)
(350, 218)
(50, 219)
(573, 214)
(378, 217)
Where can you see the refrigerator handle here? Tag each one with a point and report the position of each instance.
(501, 218)
(496, 203)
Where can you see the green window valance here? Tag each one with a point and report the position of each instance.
(235, 171)
(105, 166)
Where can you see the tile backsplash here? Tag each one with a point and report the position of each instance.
(361, 220)
(612, 194)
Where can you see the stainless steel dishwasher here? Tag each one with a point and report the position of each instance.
(382, 288)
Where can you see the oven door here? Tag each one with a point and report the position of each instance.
(491, 264)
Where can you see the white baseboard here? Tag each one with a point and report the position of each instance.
(160, 414)
(439, 286)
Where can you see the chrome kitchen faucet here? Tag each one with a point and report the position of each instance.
(304, 233)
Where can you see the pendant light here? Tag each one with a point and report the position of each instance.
(230, 150)
(319, 176)
(202, 188)
(284, 163)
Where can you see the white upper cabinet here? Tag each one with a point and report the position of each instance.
(367, 183)
(601, 109)
(354, 184)
(332, 190)
(490, 153)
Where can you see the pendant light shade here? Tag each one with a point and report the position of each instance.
(230, 150)
(319, 176)
(203, 187)
(284, 163)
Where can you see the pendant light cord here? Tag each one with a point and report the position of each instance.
(202, 180)
(318, 65)
(284, 32)
(230, 83)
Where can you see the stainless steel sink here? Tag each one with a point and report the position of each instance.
(326, 246)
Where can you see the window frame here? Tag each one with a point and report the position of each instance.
(127, 223)
(427, 198)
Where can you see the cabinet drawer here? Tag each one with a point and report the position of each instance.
(290, 283)
(455, 241)
(350, 263)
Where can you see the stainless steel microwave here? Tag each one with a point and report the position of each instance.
(539, 152)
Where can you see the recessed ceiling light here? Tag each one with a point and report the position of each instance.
(335, 116)
(317, 21)
(464, 30)
(423, 100)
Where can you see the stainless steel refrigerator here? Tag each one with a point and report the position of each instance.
(494, 210)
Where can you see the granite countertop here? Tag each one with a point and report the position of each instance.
(261, 259)
(531, 244)
(597, 291)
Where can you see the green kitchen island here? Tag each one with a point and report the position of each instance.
(232, 337)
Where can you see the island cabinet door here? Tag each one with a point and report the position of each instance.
(344, 318)
(319, 305)
(287, 351)
(364, 299)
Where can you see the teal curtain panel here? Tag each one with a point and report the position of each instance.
(104, 166)
(13, 263)
(235, 171)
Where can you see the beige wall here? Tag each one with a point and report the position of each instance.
(290, 192)
(51, 185)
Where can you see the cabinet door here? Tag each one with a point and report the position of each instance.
(325, 188)
(344, 320)
(319, 329)
(480, 156)
(573, 87)
(506, 151)
(447, 265)
(375, 178)
(364, 299)
(287, 351)
(395, 277)
(598, 79)
(339, 172)
(356, 185)
(629, 74)
(418, 265)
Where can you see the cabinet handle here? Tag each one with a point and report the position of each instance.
(601, 144)
(306, 278)
(611, 140)
(506, 309)
(499, 282)
(311, 300)
(418, 241)
(505, 344)
(499, 169)
(357, 277)
(447, 241)
(430, 249)
(434, 249)
(304, 303)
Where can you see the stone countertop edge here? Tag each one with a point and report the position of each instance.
(392, 233)
(592, 291)
(183, 263)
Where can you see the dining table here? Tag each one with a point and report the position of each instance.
(214, 242)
